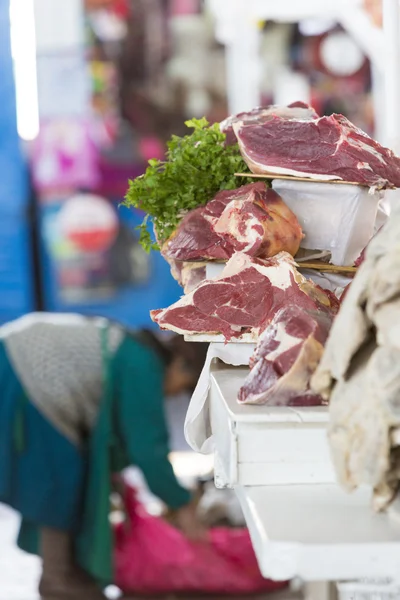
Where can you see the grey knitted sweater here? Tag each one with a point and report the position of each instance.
(58, 360)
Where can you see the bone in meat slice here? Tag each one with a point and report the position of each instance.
(252, 219)
(325, 148)
(244, 298)
(287, 354)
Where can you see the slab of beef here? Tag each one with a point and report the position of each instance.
(252, 219)
(287, 353)
(244, 299)
(296, 110)
(325, 148)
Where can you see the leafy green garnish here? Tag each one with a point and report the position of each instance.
(197, 166)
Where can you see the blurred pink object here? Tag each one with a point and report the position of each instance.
(64, 156)
(151, 147)
(152, 557)
(184, 7)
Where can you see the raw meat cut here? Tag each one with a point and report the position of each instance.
(325, 148)
(296, 110)
(244, 299)
(287, 354)
(359, 373)
(252, 219)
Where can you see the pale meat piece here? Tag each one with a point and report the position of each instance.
(244, 298)
(287, 354)
(188, 274)
(326, 148)
(192, 274)
(360, 372)
(251, 219)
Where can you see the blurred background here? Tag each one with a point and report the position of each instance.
(90, 90)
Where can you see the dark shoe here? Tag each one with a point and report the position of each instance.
(62, 579)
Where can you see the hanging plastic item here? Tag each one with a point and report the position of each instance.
(152, 557)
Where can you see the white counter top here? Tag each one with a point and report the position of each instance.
(228, 380)
(302, 524)
(319, 533)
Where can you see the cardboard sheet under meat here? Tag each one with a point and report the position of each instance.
(338, 218)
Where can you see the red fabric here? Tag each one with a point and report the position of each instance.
(152, 557)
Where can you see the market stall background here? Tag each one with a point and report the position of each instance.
(72, 247)
(138, 70)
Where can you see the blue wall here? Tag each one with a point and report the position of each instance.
(16, 288)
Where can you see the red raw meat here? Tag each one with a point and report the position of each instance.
(244, 299)
(324, 148)
(252, 219)
(296, 110)
(287, 353)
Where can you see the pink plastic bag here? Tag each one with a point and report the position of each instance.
(152, 557)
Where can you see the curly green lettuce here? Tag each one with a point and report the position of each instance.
(197, 166)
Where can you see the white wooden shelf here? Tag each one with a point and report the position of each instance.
(320, 533)
(265, 445)
(301, 523)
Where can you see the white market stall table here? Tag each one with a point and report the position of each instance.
(319, 533)
(301, 523)
(263, 445)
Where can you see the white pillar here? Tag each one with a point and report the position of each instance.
(59, 25)
(378, 98)
(237, 28)
(243, 66)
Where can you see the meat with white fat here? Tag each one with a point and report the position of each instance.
(324, 148)
(244, 298)
(251, 219)
(287, 354)
(296, 110)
